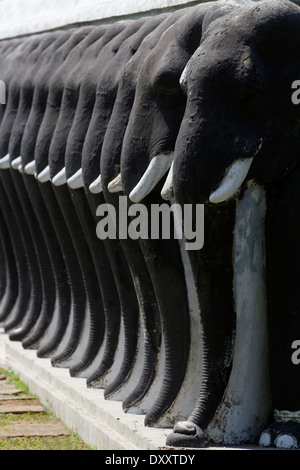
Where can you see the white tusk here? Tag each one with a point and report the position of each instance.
(158, 166)
(20, 168)
(167, 191)
(4, 162)
(44, 176)
(115, 186)
(60, 178)
(76, 181)
(15, 163)
(96, 186)
(30, 168)
(232, 181)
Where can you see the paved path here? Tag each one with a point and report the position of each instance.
(13, 401)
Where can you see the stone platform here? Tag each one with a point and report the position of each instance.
(100, 423)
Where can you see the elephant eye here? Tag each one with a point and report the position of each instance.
(163, 95)
(250, 99)
(169, 98)
(167, 90)
(243, 94)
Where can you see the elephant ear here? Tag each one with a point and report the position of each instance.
(277, 41)
(276, 27)
(277, 44)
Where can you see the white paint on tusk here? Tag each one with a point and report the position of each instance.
(115, 186)
(60, 178)
(30, 168)
(232, 180)
(246, 404)
(183, 79)
(167, 191)
(5, 162)
(15, 163)
(44, 176)
(96, 186)
(76, 181)
(157, 167)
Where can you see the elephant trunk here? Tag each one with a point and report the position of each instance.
(213, 273)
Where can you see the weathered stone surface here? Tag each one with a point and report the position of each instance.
(33, 430)
(14, 398)
(21, 409)
(9, 390)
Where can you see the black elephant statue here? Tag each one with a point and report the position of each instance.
(230, 75)
(189, 112)
(240, 130)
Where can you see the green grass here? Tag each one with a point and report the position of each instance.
(14, 379)
(69, 442)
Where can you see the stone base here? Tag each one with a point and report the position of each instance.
(100, 423)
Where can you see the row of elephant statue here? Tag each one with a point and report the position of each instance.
(187, 107)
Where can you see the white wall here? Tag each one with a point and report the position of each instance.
(21, 17)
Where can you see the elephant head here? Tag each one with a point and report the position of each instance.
(236, 82)
(158, 106)
(240, 126)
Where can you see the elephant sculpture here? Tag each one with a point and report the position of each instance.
(239, 133)
(228, 148)
(184, 109)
